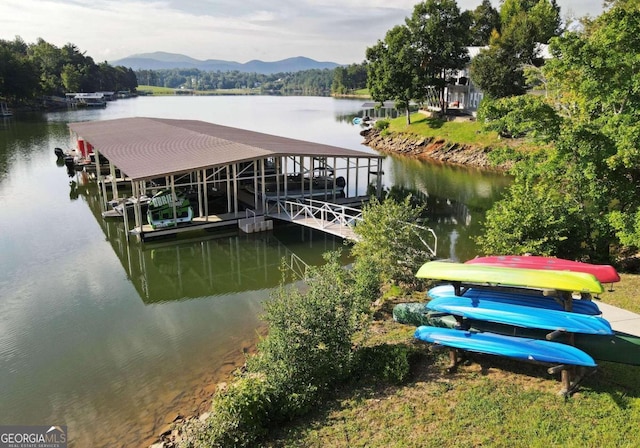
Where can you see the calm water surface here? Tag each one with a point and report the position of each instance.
(112, 338)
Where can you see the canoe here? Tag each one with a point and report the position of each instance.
(520, 316)
(603, 272)
(513, 347)
(501, 276)
(534, 300)
(619, 347)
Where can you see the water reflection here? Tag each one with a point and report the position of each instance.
(457, 199)
(208, 264)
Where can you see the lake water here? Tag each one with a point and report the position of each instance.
(113, 339)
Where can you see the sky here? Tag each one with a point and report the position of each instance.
(234, 30)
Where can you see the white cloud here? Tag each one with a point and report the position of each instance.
(334, 30)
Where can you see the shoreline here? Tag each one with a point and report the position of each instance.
(195, 400)
(432, 149)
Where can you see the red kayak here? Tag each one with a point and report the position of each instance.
(603, 272)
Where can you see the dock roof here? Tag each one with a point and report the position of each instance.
(145, 148)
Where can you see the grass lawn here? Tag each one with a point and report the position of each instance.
(507, 404)
(153, 90)
(464, 132)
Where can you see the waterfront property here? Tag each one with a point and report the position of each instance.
(217, 175)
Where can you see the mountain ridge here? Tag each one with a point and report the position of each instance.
(160, 60)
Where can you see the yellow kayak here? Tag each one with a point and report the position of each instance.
(504, 276)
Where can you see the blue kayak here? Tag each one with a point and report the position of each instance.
(509, 346)
(531, 300)
(520, 316)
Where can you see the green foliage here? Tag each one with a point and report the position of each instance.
(534, 217)
(30, 70)
(503, 154)
(381, 125)
(309, 82)
(384, 362)
(414, 58)
(593, 82)
(559, 201)
(392, 69)
(308, 349)
(485, 19)
(520, 116)
(349, 79)
(440, 35)
(496, 71)
(239, 414)
(391, 241)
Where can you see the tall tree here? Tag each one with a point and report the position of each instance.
(525, 24)
(484, 20)
(393, 69)
(439, 33)
(18, 76)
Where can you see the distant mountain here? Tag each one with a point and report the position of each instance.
(161, 60)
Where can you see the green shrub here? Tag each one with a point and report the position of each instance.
(503, 154)
(381, 125)
(239, 414)
(308, 349)
(391, 240)
(520, 116)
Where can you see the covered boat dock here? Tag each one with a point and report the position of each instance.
(223, 175)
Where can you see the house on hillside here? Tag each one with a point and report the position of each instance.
(460, 93)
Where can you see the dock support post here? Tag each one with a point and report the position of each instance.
(173, 199)
(263, 189)
(228, 173)
(114, 181)
(379, 179)
(205, 183)
(357, 175)
(255, 184)
(235, 189)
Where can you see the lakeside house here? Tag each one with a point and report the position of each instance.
(461, 93)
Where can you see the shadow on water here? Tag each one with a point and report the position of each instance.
(22, 139)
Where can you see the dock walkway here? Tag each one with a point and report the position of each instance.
(335, 219)
(621, 320)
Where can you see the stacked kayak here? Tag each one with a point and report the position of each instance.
(603, 272)
(532, 310)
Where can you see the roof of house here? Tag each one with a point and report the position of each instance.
(145, 148)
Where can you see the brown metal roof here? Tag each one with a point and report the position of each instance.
(144, 148)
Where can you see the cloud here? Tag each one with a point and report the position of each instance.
(332, 30)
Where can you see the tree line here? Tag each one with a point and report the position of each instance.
(308, 82)
(29, 71)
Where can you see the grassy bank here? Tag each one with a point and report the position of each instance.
(154, 90)
(507, 404)
(463, 132)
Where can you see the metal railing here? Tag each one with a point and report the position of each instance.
(338, 218)
(324, 215)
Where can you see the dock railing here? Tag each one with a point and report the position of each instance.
(324, 215)
(338, 219)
